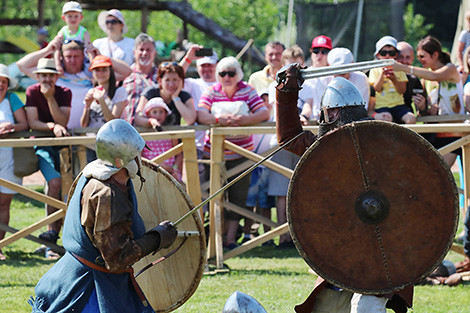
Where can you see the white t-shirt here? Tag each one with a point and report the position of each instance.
(79, 84)
(196, 86)
(465, 38)
(121, 50)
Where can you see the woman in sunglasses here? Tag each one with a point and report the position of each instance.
(389, 86)
(170, 78)
(443, 85)
(232, 102)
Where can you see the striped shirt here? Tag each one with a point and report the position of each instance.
(244, 93)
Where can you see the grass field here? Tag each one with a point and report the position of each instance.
(278, 279)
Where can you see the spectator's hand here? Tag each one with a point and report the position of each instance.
(303, 120)
(237, 120)
(385, 116)
(55, 44)
(389, 72)
(433, 109)
(460, 69)
(154, 123)
(60, 131)
(180, 87)
(89, 98)
(6, 128)
(224, 119)
(419, 101)
(92, 52)
(99, 93)
(47, 90)
(191, 54)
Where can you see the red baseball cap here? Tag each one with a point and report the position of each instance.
(100, 61)
(322, 42)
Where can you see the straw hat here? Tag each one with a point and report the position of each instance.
(46, 65)
(4, 72)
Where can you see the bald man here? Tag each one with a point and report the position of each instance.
(414, 89)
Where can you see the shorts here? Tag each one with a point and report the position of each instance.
(258, 191)
(279, 183)
(397, 112)
(440, 142)
(49, 161)
(6, 169)
(238, 192)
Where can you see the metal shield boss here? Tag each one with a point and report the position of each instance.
(170, 283)
(372, 207)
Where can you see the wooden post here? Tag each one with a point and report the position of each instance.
(193, 185)
(215, 247)
(466, 176)
(65, 171)
(144, 18)
(40, 13)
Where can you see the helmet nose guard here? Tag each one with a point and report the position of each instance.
(118, 143)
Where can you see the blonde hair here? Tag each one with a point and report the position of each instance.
(228, 63)
(293, 52)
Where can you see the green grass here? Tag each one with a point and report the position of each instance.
(278, 279)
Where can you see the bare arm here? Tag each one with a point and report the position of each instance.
(140, 118)
(378, 84)
(187, 110)
(29, 62)
(189, 57)
(460, 48)
(121, 69)
(21, 122)
(259, 116)
(447, 72)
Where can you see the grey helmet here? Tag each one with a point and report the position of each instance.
(339, 93)
(118, 143)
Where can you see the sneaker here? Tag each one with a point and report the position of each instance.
(50, 235)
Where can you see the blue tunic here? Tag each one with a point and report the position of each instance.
(67, 286)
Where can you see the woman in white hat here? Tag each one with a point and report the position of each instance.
(12, 118)
(115, 45)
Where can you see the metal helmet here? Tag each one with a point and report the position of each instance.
(340, 92)
(118, 143)
(240, 302)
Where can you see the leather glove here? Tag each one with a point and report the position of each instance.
(289, 78)
(167, 234)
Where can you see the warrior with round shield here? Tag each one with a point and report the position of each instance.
(333, 224)
(103, 233)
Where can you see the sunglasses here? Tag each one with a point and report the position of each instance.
(229, 73)
(318, 50)
(112, 22)
(165, 64)
(391, 53)
(78, 42)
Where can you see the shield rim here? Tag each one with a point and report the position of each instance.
(318, 269)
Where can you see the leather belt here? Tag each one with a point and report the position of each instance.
(103, 269)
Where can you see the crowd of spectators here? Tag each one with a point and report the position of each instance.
(84, 84)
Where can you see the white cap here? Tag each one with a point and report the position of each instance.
(71, 6)
(385, 41)
(4, 72)
(113, 12)
(340, 56)
(156, 102)
(213, 59)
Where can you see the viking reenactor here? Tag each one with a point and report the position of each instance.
(354, 206)
(103, 233)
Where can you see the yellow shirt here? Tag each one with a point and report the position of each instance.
(260, 80)
(389, 96)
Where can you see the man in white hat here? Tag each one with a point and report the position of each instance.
(114, 45)
(48, 109)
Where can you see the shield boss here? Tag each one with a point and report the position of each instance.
(372, 207)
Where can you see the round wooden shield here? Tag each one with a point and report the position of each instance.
(372, 207)
(170, 283)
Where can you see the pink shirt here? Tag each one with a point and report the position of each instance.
(244, 93)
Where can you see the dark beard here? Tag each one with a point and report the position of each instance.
(347, 115)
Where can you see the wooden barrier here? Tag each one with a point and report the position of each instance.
(188, 147)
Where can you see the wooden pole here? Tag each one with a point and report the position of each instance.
(193, 183)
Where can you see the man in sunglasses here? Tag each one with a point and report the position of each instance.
(389, 85)
(115, 45)
(321, 46)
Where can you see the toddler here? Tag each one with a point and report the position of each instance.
(73, 31)
(157, 110)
